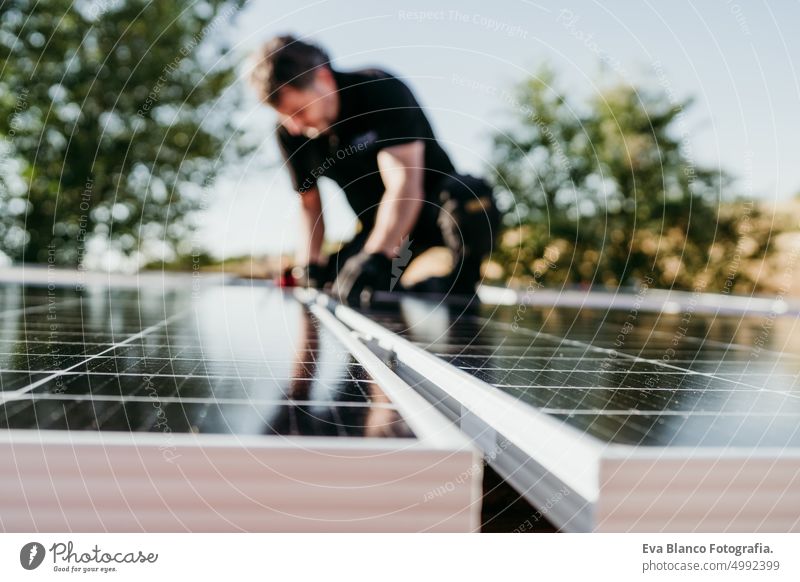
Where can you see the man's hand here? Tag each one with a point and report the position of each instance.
(312, 275)
(364, 271)
(299, 276)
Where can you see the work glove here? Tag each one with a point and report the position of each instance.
(303, 276)
(368, 272)
(312, 275)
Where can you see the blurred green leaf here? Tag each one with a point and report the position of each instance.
(606, 192)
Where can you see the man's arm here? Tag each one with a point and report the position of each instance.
(401, 169)
(312, 228)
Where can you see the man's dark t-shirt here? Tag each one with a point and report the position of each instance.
(377, 110)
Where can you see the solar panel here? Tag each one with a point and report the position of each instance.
(557, 396)
(715, 392)
(239, 392)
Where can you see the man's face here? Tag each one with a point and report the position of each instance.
(312, 110)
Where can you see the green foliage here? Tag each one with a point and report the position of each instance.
(110, 124)
(606, 192)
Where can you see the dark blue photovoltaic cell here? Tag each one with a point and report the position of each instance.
(625, 377)
(227, 360)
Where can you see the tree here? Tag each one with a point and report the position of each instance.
(606, 192)
(111, 124)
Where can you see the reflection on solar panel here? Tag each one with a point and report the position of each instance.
(214, 409)
(616, 420)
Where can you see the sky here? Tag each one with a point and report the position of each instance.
(736, 58)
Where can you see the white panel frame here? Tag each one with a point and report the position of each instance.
(666, 487)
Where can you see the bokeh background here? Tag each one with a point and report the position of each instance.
(628, 142)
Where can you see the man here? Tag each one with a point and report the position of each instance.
(366, 131)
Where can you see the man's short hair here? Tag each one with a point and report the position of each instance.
(283, 61)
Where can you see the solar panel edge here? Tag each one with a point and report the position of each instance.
(264, 489)
(12, 436)
(657, 300)
(430, 426)
(497, 410)
(573, 512)
(702, 494)
(610, 451)
(591, 513)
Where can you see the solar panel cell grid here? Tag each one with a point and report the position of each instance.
(230, 361)
(624, 377)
